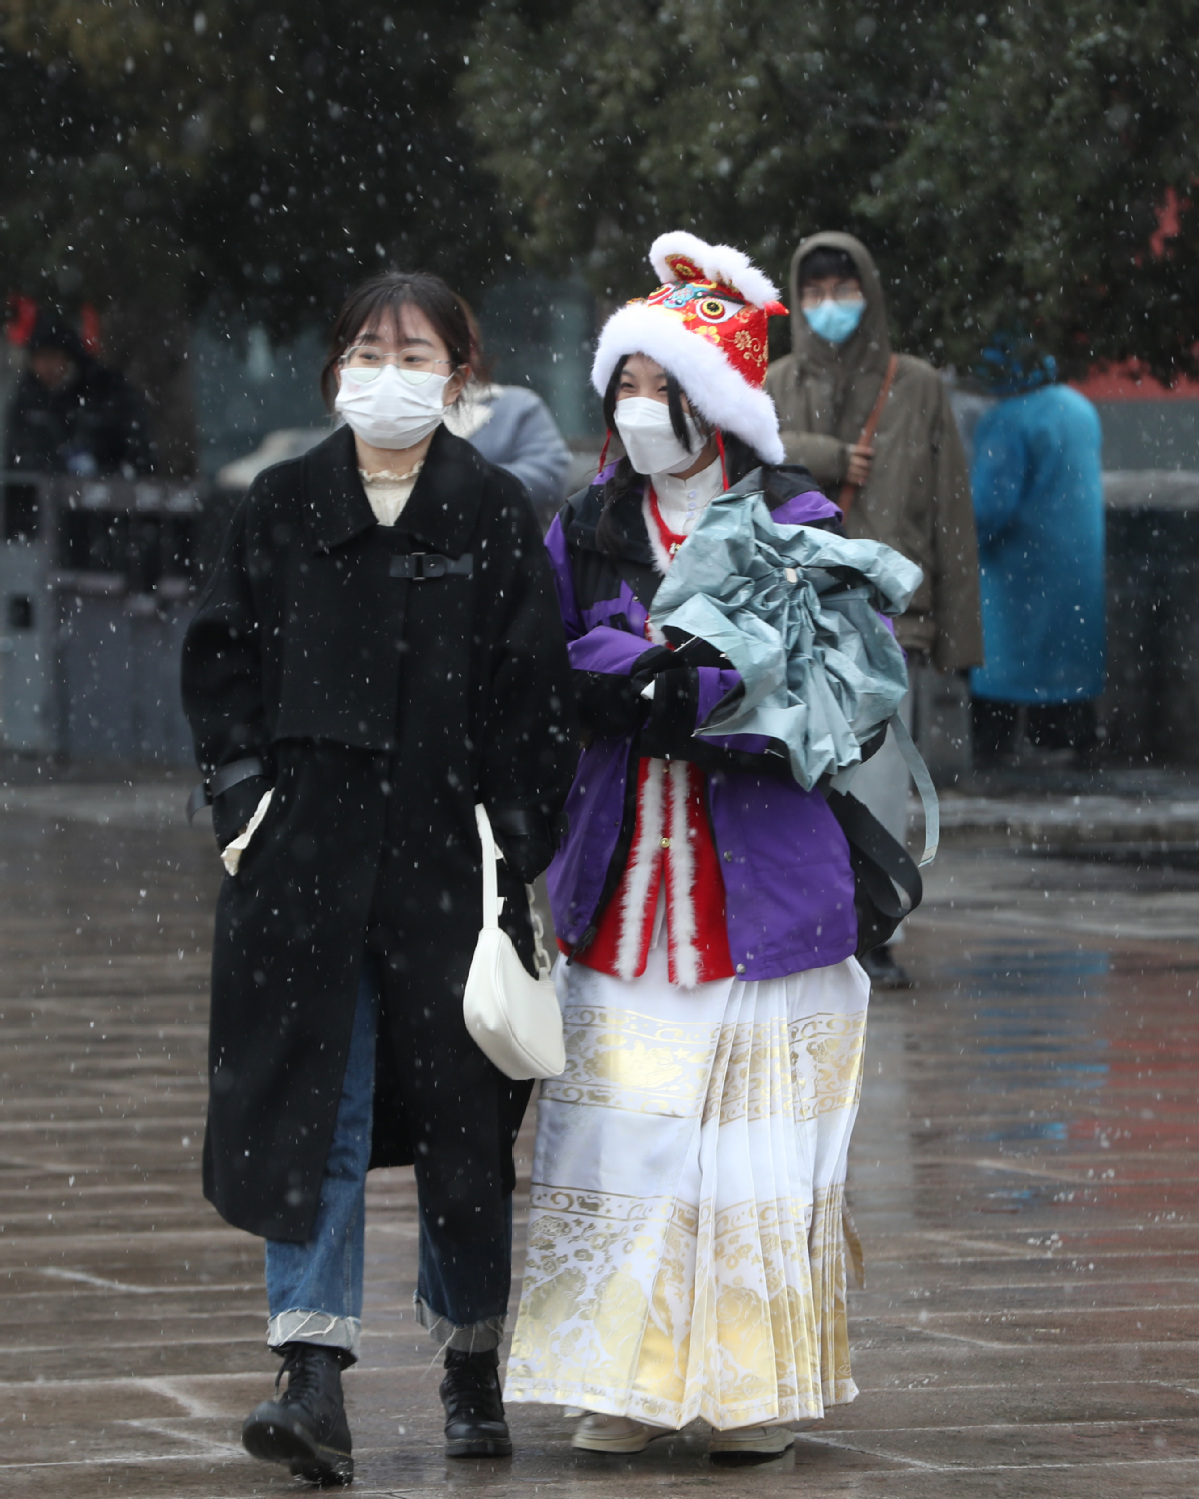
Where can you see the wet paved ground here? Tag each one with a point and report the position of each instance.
(1023, 1178)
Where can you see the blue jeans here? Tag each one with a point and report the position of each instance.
(314, 1290)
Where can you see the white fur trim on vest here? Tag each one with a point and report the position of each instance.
(712, 385)
(681, 883)
(718, 263)
(644, 856)
(663, 842)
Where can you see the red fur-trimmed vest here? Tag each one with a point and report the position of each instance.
(672, 847)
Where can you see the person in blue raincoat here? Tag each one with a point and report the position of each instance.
(1038, 504)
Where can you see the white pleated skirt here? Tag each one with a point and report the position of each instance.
(686, 1251)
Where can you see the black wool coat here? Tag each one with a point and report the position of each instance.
(384, 704)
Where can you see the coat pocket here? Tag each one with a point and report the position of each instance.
(233, 852)
(233, 809)
(269, 832)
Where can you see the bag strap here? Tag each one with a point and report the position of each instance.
(540, 957)
(491, 892)
(849, 491)
(929, 802)
(883, 864)
(492, 902)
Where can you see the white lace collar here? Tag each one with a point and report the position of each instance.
(683, 501)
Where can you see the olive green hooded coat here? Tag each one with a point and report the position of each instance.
(917, 498)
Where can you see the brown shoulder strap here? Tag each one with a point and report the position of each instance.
(849, 491)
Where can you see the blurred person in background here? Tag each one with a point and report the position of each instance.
(877, 432)
(1038, 501)
(379, 649)
(72, 415)
(512, 428)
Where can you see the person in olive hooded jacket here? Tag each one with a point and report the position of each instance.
(905, 484)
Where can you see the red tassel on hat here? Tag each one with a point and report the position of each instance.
(599, 468)
(724, 468)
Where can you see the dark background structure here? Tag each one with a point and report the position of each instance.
(241, 165)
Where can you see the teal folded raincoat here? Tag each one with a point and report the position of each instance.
(796, 610)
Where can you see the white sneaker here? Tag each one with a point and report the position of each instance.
(596, 1433)
(759, 1441)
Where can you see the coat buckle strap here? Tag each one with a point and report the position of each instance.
(419, 567)
(221, 780)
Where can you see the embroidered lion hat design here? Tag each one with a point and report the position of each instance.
(706, 325)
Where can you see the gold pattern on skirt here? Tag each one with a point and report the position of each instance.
(620, 1060)
(685, 1253)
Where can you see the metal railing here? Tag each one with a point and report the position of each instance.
(96, 582)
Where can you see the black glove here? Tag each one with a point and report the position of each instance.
(610, 705)
(692, 650)
(613, 705)
(670, 730)
(526, 840)
(873, 744)
(525, 857)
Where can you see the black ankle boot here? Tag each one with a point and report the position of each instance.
(474, 1411)
(306, 1426)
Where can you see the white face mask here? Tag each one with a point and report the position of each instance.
(392, 408)
(650, 440)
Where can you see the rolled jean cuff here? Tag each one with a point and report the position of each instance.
(299, 1326)
(477, 1337)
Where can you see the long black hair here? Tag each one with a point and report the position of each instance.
(739, 457)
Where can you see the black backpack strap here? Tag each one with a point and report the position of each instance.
(880, 862)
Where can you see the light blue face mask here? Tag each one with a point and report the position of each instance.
(835, 320)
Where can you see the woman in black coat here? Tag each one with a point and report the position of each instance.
(379, 649)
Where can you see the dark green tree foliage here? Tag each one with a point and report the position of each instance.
(160, 157)
(1005, 167)
(1034, 198)
(755, 119)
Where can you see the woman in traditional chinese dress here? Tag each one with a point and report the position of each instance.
(686, 1253)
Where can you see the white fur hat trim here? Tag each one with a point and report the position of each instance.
(712, 385)
(718, 263)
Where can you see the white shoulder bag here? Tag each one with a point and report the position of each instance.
(513, 1017)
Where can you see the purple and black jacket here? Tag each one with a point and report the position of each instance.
(789, 889)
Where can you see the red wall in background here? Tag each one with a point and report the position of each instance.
(1128, 382)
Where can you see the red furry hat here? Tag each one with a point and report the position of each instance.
(705, 325)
